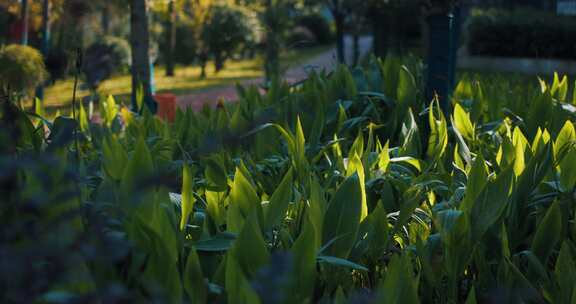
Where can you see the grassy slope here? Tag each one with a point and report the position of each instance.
(187, 80)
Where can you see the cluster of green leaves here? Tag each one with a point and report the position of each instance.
(348, 188)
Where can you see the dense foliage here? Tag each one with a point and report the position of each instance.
(21, 69)
(105, 57)
(527, 33)
(349, 188)
(227, 28)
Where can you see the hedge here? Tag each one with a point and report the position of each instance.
(521, 33)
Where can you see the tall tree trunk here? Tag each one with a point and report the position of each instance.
(140, 43)
(24, 17)
(272, 65)
(171, 30)
(340, 46)
(105, 19)
(45, 47)
(356, 48)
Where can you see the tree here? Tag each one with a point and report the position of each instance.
(171, 41)
(340, 9)
(140, 44)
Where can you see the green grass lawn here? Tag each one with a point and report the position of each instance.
(186, 81)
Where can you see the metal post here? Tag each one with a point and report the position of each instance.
(438, 58)
(24, 16)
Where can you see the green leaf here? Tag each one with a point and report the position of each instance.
(220, 242)
(355, 166)
(471, 299)
(243, 194)
(490, 204)
(547, 233)
(316, 209)
(341, 262)
(462, 122)
(250, 248)
(565, 273)
(187, 196)
(384, 157)
(110, 110)
(279, 202)
(237, 286)
(114, 158)
(193, 279)
(438, 140)
(399, 285)
(304, 253)
(342, 217)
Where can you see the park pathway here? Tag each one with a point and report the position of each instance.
(325, 61)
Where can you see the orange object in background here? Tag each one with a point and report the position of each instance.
(166, 106)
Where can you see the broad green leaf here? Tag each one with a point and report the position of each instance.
(83, 119)
(357, 147)
(110, 110)
(547, 233)
(559, 87)
(238, 287)
(416, 163)
(243, 194)
(520, 143)
(399, 285)
(193, 279)
(341, 262)
(567, 136)
(279, 202)
(355, 166)
(250, 248)
(304, 253)
(219, 242)
(565, 273)
(407, 89)
(316, 209)
(471, 299)
(342, 217)
(461, 121)
(384, 158)
(187, 196)
(491, 203)
(114, 158)
(139, 167)
(215, 206)
(438, 140)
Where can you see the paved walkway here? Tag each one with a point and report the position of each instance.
(326, 61)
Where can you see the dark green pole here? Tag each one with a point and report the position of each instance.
(24, 16)
(45, 48)
(438, 73)
(455, 44)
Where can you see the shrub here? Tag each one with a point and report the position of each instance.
(521, 33)
(21, 69)
(186, 46)
(227, 29)
(105, 57)
(318, 26)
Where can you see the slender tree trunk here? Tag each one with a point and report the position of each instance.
(171, 39)
(45, 47)
(272, 65)
(340, 46)
(356, 48)
(140, 43)
(24, 17)
(105, 19)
